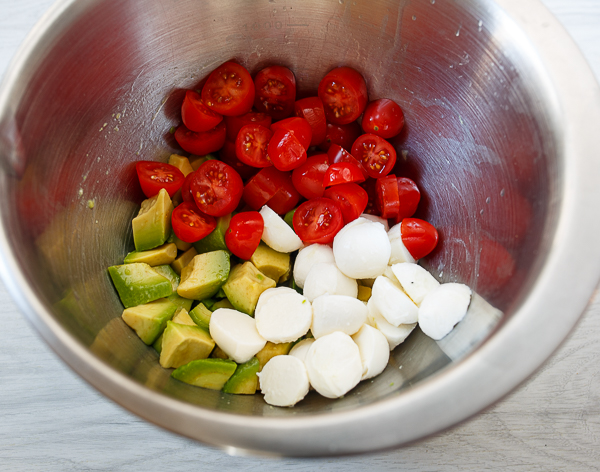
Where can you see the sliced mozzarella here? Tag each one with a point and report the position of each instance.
(284, 381)
(362, 249)
(415, 280)
(394, 334)
(389, 273)
(325, 277)
(393, 304)
(301, 348)
(376, 219)
(308, 257)
(278, 235)
(284, 317)
(235, 332)
(442, 308)
(334, 365)
(399, 251)
(337, 313)
(270, 292)
(374, 350)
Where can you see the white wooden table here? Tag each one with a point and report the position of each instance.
(50, 420)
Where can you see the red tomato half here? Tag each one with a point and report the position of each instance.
(318, 220)
(196, 115)
(352, 199)
(156, 175)
(311, 109)
(263, 186)
(377, 156)
(251, 145)
(308, 178)
(229, 90)
(409, 197)
(387, 199)
(217, 188)
(236, 123)
(275, 91)
(190, 224)
(342, 173)
(228, 155)
(419, 237)
(285, 150)
(244, 233)
(201, 143)
(299, 126)
(383, 117)
(343, 92)
(343, 135)
(285, 199)
(186, 191)
(338, 154)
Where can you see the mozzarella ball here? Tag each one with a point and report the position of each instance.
(337, 313)
(325, 277)
(283, 317)
(399, 251)
(415, 280)
(334, 365)
(270, 292)
(308, 257)
(374, 350)
(442, 308)
(362, 249)
(395, 335)
(301, 348)
(284, 381)
(277, 233)
(235, 332)
(376, 219)
(393, 304)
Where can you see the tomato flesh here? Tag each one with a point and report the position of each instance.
(264, 185)
(217, 188)
(387, 199)
(343, 92)
(190, 224)
(285, 150)
(408, 197)
(299, 126)
(236, 123)
(229, 90)
(311, 109)
(342, 173)
(201, 143)
(308, 178)
(196, 115)
(342, 135)
(352, 199)
(419, 237)
(318, 220)
(251, 145)
(383, 117)
(275, 88)
(338, 154)
(228, 155)
(156, 175)
(244, 233)
(376, 155)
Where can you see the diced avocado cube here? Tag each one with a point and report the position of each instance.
(197, 161)
(183, 260)
(164, 254)
(270, 262)
(152, 225)
(204, 276)
(244, 286)
(244, 380)
(224, 303)
(201, 315)
(149, 320)
(182, 316)
(168, 272)
(182, 163)
(138, 283)
(364, 293)
(271, 350)
(181, 302)
(183, 343)
(215, 241)
(285, 277)
(207, 373)
(181, 245)
(218, 353)
(157, 345)
(289, 218)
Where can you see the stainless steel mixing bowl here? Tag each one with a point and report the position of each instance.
(501, 135)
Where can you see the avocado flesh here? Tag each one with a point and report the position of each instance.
(364, 293)
(271, 350)
(224, 303)
(218, 353)
(152, 225)
(182, 163)
(149, 320)
(244, 380)
(182, 261)
(182, 316)
(183, 343)
(201, 315)
(168, 272)
(244, 286)
(207, 373)
(204, 275)
(161, 255)
(215, 241)
(181, 245)
(138, 283)
(270, 262)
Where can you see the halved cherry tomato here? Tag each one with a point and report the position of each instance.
(342, 173)
(285, 150)
(229, 90)
(264, 185)
(311, 109)
(369, 187)
(419, 237)
(251, 145)
(201, 143)
(299, 126)
(343, 135)
(275, 91)
(409, 197)
(196, 115)
(338, 154)
(228, 155)
(377, 156)
(344, 95)
(352, 199)
(190, 224)
(186, 191)
(318, 220)
(156, 175)
(244, 233)
(285, 199)
(235, 123)
(383, 117)
(217, 188)
(387, 200)
(308, 178)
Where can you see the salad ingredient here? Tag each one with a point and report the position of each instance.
(342, 135)
(138, 283)
(244, 286)
(312, 110)
(275, 88)
(235, 332)
(309, 256)
(215, 241)
(415, 280)
(285, 150)
(325, 278)
(377, 156)
(271, 350)
(342, 173)
(200, 315)
(409, 197)
(393, 304)
(352, 198)
(217, 188)
(301, 348)
(343, 92)
(183, 260)
(152, 225)
(164, 254)
(299, 126)
(395, 335)
(337, 154)
(183, 343)
(182, 316)
(337, 313)
(277, 234)
(284, 381)
(387, 197)
(284, 317)
(195, 115)
(383, 117)
(207, 373)
(229, 90)
(244, 233)
(182, 163)
(190, 224)
(318, 220)
(244, 380)
(251, 145)
(308, 178)
(419, 237)
(270, 262)
(374, 350)
(204, 275)
(399, 252)
(442, 308)
(236, 123)
(149, 320)
(201, 143)
(156, 175)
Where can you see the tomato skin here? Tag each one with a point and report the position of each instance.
(156, 175)
(383, 117)
(236, 123)
(229, 90)
(299, 126)
(217, 188)
(308, 178)
(285, 199)
(275, 88)
(342, 135)
(264, 185)
(419, 237)
(251, 145)
(352, 199)
(201, 143)
(369, 187)
(338, 154)
(409, 196)
(376, 155)
(318, 220)
(285, 150)
(228, 155)
(343, 92)
(190, 224)
(196, 115)
(342, 173)
(244, 233)
(186, 191)
(387, 199)
(311, 109)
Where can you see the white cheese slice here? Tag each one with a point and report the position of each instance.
(337, 313)
(301, 348)
(442, 308)
(399, 251)
(325, 277)
(235, 332)
(284, 381)
(376, 219)
(393, 304)
(374, 350)
(395, 335)
(277, 234)
(307, 258)
(284, 317)
(415, 280)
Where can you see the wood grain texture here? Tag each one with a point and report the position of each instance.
(50, 420)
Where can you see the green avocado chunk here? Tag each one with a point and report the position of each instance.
(201, 315)
(149, 320)
(160, 255)
(152, 225)
(138, 283)
(204, 275)
(244, 286)
(244, 381)
(270, 262)
(215, 241)
(207, 373)
(183, 343)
